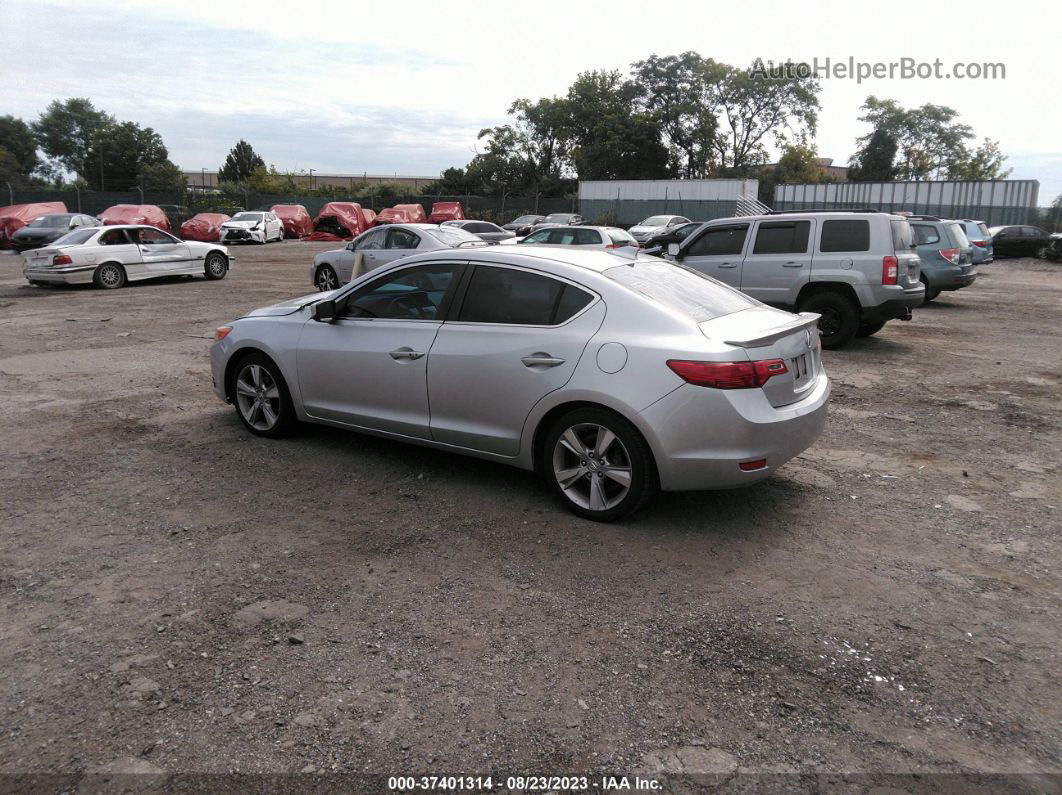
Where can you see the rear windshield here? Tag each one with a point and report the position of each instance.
(958, 235)
(76, 238)
(621, 237)
(656, 220)
(50, 222)
(985, 234)
(453, 235)
(681, 289)
(901, 236)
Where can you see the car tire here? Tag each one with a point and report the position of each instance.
(839, 321)
(575, 446)
(931, 292)
(215, 266)
(261, 397)
(109, 276)
(1041, 253)
(869, 329)
(325, 279)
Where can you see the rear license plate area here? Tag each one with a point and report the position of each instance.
(801, 367)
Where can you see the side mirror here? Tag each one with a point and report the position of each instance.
(349, 246)
(673, 250)
(324, 311)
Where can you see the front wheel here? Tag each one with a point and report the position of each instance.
(326, 279)
(262, 400)
(839, 319)
(599, 465)
(215, 266)
(109, 276)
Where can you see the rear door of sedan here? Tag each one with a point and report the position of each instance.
(513, 336)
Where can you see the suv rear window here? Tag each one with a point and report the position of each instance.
(782, 237)
(845, 235)
(958, 235)
(901, 236)
(681, 289)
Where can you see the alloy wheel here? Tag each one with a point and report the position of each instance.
(327, 279)
(258, 397)
(110, 276)
(216, 266)
(592, 466)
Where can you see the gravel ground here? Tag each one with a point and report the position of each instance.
(177, 595)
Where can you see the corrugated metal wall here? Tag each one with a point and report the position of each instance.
(1005, 201)
(629, 201)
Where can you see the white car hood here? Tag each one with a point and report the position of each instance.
(644, 230)
(291, 305)
(239, 224)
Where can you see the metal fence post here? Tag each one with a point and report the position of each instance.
(78, 191)
(10, 194)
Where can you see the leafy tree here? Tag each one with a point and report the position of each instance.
(984, 162)
(240, 163)
(68, 132)
(18, 140)
(162, 176)
(797, 164)
(10, 169)
(874, 161)
(122, 151)
(270, 180)
(674, 89)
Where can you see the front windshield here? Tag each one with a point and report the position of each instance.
(557, 218)
(527, 219)
(453, 235)
(656, 220)
(252, 217)
(50, 222)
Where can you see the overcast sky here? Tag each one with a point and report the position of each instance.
(404, 87)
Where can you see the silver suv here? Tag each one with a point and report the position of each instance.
(857, 269)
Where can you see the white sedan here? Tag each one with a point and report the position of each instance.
(109, 256)
(252, 227)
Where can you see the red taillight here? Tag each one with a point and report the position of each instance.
(751, 466)
(61, 259)
(727, 375)
(890, 269)
(951, 255)
(980, 243)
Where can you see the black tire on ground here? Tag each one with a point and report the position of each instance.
(215, 266)
(109, 276)
(931, 292)
(608, 462)
(1041, 253)
(325, 278)
(839, 321)
(869, 329)
(256, 379)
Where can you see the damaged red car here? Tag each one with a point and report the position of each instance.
(142, 214)
(296, 219)
(446, 211)
(205, 227)
(338, 221)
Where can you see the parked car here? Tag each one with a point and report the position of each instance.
(340, 221)
(655, 224)
(980, 239)
(559, 219)
(521, 225)
(253, 227)
(484, 230)
(205, 227)
(446, 211)
(46, 229)
(137, 215)
(589, 236)
(110, 256)
(1018, 241)
(296, 220)
(945, 253)
(382, 246)
(1053, 250)
(856, 270)
(402, 214)
(613, 376)
(658, 242)
(15, 216)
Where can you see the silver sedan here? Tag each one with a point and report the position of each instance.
(381, 246)
(612, 375)
(484, 230)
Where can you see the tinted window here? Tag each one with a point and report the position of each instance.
(845, 235)
(901, 236)
(541, 236)
(719, 240)
(685, 231)
(152, 237)
(402, 238)
(571, 302)
(924, 234)
(80, 236)
(413, 294)
(681, 289)
(620, 237)
(372, 240)
(505, 295)
(958, 235)
(782, 237)
(574, 237)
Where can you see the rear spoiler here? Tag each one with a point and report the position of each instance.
(801, 321)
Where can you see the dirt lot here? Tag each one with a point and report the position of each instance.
(178, 595)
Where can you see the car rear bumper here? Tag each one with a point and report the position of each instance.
(699, 436)
(894, 308)
(76, 274)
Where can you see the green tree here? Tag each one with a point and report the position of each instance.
(983, 163)
(17, 138)
(873, 162)
(240, 163)
(162, 176)
(10, 170)
(68, 132)
(674, 89)
(797, 164)
(263, 180)
(122, 151)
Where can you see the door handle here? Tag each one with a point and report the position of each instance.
(727, 264)
(793, 265)
(405, 353)
(541, 360)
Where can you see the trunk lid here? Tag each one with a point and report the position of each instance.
(765, 333)
(40, 257)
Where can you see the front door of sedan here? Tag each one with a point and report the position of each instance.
(516, 337)
(367, 369)
(778, 263)
(718, 252)
(160, 252)
(115, 245)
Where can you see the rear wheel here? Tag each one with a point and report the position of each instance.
(839, 319)
(869, 329)
(326, 279)
(215, 266)
(261, 396)
(109, 276)
(931, 292)
(599, 465)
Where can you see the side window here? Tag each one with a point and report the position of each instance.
(719, 240)
(782, 237)
(516, 297)
(541, 236)
(586, 237)
(410, 294)
(372, 240)
(924, 234)
(685, 231)
(845, 235)
(402, 238)
(113, 237)
(153, 237)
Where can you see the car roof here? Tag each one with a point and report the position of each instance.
(596, 260)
